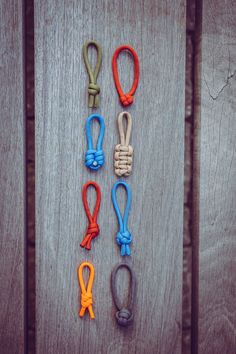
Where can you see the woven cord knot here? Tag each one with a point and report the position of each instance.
(126, 100)
(93, 88)
(86, 294)
(94, 158)
(123, 157)
(93, 228)
(124, 315)
(123, 239)
(123, 160)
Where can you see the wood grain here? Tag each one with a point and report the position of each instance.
(157, 31)
(12, 177)
(217, 205)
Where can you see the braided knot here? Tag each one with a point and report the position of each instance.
(93, 89)
(126, 99)
(123, 239)
(94, 159)
(124, 317)
(86, 300)
(93, 228)
(123, 160)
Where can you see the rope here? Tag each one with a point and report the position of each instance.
(93, 88)
(125, 98)
(124, 315)
(123, 151)
(86, 294)
(123, 237)
(93, 227)
(94, 158)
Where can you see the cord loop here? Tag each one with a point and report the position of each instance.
(123, 156)
(86, 294)
(93, 88)
(126, 99)
(93, 228)
(94, 158)
(123, 237)
(124, 316)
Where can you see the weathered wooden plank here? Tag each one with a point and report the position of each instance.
(217, 205)
(12, 177)
(157, 32)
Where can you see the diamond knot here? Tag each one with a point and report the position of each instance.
(126, 100)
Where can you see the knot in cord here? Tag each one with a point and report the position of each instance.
(124, 315)
(125, 98)
(93, 228)
(123, 157)
(86, 294)
(93, 88)
(123, 160)
(86, 299)
(123, 237)
(94, 158)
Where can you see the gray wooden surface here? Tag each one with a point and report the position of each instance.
(217, 205)
(12, 177)
(157, 32)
